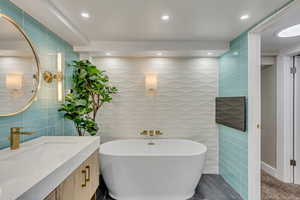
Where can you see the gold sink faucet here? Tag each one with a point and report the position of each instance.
(15, 133)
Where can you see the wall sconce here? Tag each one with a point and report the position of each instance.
(14, 81)
(49, 77)
(151, 83)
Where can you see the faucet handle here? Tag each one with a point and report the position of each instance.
(144, 133)
(17, 128)
(158, 132)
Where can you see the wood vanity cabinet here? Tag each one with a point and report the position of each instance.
(51, 196)
(81, 184)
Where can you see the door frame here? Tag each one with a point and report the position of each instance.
(254, 104)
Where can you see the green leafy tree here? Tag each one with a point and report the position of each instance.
(91, 90)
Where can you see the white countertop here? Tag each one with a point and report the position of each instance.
(40, 165)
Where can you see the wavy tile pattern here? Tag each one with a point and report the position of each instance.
(184, 106)
(42, 116)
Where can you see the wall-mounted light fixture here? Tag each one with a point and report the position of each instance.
(14, 81)
(151, 83)
(49, 77)
(60, 80)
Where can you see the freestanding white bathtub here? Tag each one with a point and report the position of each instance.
(168, 170)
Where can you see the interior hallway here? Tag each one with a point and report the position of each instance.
(273, 189)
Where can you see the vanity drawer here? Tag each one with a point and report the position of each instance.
(92, 164)
(82, 183)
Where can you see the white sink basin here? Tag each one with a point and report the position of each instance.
(24, 172)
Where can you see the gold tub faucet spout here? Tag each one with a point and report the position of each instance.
(144, 133)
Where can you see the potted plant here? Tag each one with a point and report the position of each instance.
(91, 90)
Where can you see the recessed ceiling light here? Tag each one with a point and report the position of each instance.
(159, 54)
(165, 17)
(244, 17)
(292, 31)
(209, 53)
(85, 15)
(108, 54)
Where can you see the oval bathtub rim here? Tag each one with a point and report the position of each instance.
(154, 155)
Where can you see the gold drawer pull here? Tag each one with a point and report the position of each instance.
(84, 184)
(88, 178)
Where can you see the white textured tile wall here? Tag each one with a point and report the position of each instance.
(184, 106)
(16, 100)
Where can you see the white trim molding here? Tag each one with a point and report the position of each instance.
(150, 48)
(268, 60)
(254, 117)
(56, 12)
(284, 118)
(291, 51)
(269, 169)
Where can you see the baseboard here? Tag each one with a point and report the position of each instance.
(269, 169)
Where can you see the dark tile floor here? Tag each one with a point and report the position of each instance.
(210, 187)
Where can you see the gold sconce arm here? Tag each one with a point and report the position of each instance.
(58, 76)
(49, 77)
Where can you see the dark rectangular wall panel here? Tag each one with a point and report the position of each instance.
(231, 112)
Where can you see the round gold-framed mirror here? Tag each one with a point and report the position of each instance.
(19, 68)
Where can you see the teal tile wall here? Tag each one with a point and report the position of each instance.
(42, 116)
(233, 144)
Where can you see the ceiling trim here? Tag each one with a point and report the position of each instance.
(273, 18)
(61, 17)
(269, 53)
(137, 46)
(293, 51)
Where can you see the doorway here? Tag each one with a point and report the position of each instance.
(286, 135)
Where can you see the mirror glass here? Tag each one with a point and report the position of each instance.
(19, 69)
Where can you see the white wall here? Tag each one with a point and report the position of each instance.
(268, 117)
(184, 106)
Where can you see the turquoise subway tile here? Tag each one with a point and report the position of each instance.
(8, 8)
(37, 133)
(233, 144)
(58, 129)
(5, 129)
(42, 115)
(51, 131)
(4, 143)
(11, 119)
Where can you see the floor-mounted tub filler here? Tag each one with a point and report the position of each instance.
(161, 170)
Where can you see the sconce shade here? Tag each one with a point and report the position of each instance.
(14, 81)
(151, 82)
(59, 77)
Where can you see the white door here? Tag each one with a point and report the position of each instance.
(296, 131)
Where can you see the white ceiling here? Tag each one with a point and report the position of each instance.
(139, 20)
(273, 45)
